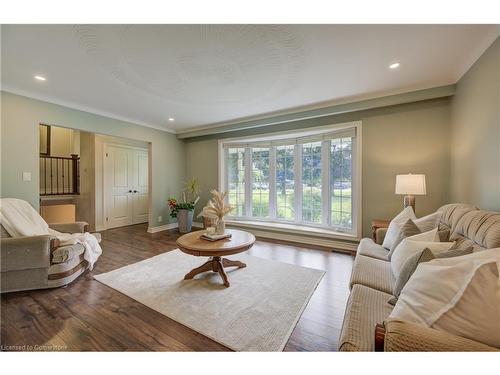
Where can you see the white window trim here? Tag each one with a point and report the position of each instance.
(356, 177)
(272, 183)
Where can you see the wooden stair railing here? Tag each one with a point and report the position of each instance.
(59, 175)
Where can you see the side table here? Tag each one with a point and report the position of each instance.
(378, 223)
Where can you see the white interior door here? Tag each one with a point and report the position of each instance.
(118, 174)
(126, 176)
(140, 198)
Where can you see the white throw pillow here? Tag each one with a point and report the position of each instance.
(429, 236)
(414, 244)
(395, 226)
(459, 295)
(428, 222)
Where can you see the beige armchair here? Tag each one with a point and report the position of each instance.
(40, 262)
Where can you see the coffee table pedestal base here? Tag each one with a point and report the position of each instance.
(216, 264)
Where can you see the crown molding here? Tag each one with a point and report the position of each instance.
(346, 107)
(28, 94)
(339, 108)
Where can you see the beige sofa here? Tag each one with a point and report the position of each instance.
(372, 282)
(39, 262)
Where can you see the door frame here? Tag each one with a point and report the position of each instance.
(104, 184)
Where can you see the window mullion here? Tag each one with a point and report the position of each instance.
(272, 183)
(325, 182)
(248, 182)
(225, 171)
(297, 166)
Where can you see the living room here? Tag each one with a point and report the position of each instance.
(298, 193)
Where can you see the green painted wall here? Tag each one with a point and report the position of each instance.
(19, 141)
(399, 139)
(475, 133)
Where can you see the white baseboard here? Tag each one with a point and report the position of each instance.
(325, 242)
(171, 226)
(162, 227)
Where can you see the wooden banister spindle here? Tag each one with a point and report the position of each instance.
(74, 165)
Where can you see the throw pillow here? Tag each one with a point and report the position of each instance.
(459, 295)
(428, 222)
(444, 235)
(407, 230)
(411, 265)
(395, 224)
(416, 244)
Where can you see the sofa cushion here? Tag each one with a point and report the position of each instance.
(452, 213)
(411, 264)
(459, 295)
(66, 253)
(369, 248)
(365, 308)
(482, 228)
(373, 273)
(413, 245)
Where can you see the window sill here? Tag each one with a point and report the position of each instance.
(293, 228)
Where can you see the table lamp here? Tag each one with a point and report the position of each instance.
(410, 185)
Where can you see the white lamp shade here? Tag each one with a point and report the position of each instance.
(410, 184)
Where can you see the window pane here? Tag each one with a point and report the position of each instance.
(260, 182)
(311, 182)
(285, 197)
(236, 180)
(341, 182)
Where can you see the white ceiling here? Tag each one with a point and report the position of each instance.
(204, 75)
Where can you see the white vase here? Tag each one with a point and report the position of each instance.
(221, 227)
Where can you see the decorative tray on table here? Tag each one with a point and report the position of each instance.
(215, 237)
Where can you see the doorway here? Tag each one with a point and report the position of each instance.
(100, 179)
(126, 194)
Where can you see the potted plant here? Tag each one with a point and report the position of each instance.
(216, 209)
(184, 210)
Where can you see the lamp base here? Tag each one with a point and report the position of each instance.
(409, 200)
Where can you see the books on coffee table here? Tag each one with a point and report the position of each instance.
(215, 237)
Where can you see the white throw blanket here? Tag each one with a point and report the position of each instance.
(20, 220)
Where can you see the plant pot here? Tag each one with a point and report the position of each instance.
(185, 220)
(220, 227)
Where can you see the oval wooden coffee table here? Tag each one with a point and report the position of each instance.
(192, 244)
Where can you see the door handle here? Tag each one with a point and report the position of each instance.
(130, 191)
(135, 191)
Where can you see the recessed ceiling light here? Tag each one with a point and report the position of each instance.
(171, 119)
(40, 78)
(394, 65)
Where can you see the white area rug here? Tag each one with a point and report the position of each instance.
(257, 313)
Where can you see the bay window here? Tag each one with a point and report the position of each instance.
(308, 178)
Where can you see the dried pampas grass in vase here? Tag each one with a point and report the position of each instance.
(216, 209)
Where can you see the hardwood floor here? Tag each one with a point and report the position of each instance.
(87, 315)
